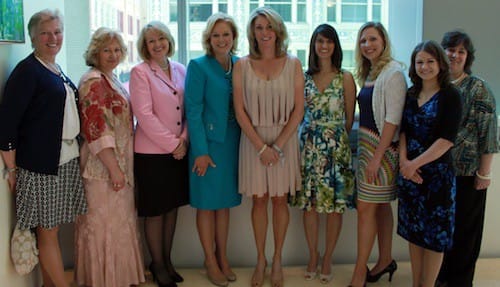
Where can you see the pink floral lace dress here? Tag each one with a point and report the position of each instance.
(107, 251)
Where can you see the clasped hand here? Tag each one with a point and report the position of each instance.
(409, 171)
(269, 157)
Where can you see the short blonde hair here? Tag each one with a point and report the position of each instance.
(101, 37)
(278, 27)
(42, 16)
(363, 65)
(211, 22)
(142, 48)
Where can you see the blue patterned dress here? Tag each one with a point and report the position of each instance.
(327, 176)
(426, 211)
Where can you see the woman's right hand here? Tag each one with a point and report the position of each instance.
(201, 164)
(117, 179)
(269, 157)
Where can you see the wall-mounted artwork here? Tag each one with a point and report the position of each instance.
(11, 21)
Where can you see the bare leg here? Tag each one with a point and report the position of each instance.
(221, 233)
(259, 224)
(153, 227)
(281, 217)
(432, 263)
(311, 228)
(333, 227)
(417, 258)
(385, 223)
(50, 257)
(205, 221)
(47, 282)
(366, 237)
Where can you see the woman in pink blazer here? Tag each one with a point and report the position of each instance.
(160, 162)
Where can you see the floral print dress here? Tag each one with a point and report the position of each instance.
(327, 175)
(426, 211)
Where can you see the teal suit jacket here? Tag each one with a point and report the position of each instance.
(207, 97)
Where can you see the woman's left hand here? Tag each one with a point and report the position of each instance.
(372, 170)
(201, 164)
(481, 184)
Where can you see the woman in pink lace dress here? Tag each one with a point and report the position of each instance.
(107, 246)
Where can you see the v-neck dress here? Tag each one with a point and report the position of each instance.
(269, 104)
(327, 174)
(426, 211)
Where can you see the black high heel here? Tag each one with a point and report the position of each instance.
(391, 268)
(155, 278)
(176, 277)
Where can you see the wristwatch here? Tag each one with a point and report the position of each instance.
(7, 171)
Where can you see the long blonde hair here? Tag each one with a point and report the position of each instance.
(364, 68)
(278, 27)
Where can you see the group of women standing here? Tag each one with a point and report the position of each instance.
(243, 117)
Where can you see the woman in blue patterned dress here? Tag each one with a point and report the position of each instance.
(427, 179)
(327, 176)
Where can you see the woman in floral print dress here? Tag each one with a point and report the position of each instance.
(327, 176)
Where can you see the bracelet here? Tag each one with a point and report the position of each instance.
(483, 177)
(280, 152)
(262, 149)
(7, 171)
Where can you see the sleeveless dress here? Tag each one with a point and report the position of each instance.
(327, 174)
(384, 188)
(269, 105)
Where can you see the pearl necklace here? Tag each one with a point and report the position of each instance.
(230, 69)
(53, 67)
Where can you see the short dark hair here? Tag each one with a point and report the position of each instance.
(330, 33)
(435, 50)
(456, 37)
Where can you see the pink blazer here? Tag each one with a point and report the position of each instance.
(158, 105)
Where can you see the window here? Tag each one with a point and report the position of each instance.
(199, 11)
(284, 8)
(331, 11)
(130, 25)
(120, 20)
(377, 10)
(354, 11)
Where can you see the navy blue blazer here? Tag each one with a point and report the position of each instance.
(31, 116)
(207, 97)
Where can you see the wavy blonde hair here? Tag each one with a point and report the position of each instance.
(211, 22)
(101, 37)
(364, 68)
(142, 48)
(278, 27)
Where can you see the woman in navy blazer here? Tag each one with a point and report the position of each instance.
(38, 143)
(215, 137)
(160, 164)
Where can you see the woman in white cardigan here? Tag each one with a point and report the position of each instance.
(381, 101)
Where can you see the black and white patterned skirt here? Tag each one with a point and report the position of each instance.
(50, 200)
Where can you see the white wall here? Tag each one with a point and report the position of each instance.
(187, 250)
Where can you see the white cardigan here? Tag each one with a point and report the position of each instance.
(389, 93)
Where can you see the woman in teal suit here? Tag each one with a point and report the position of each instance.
(214, 140)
